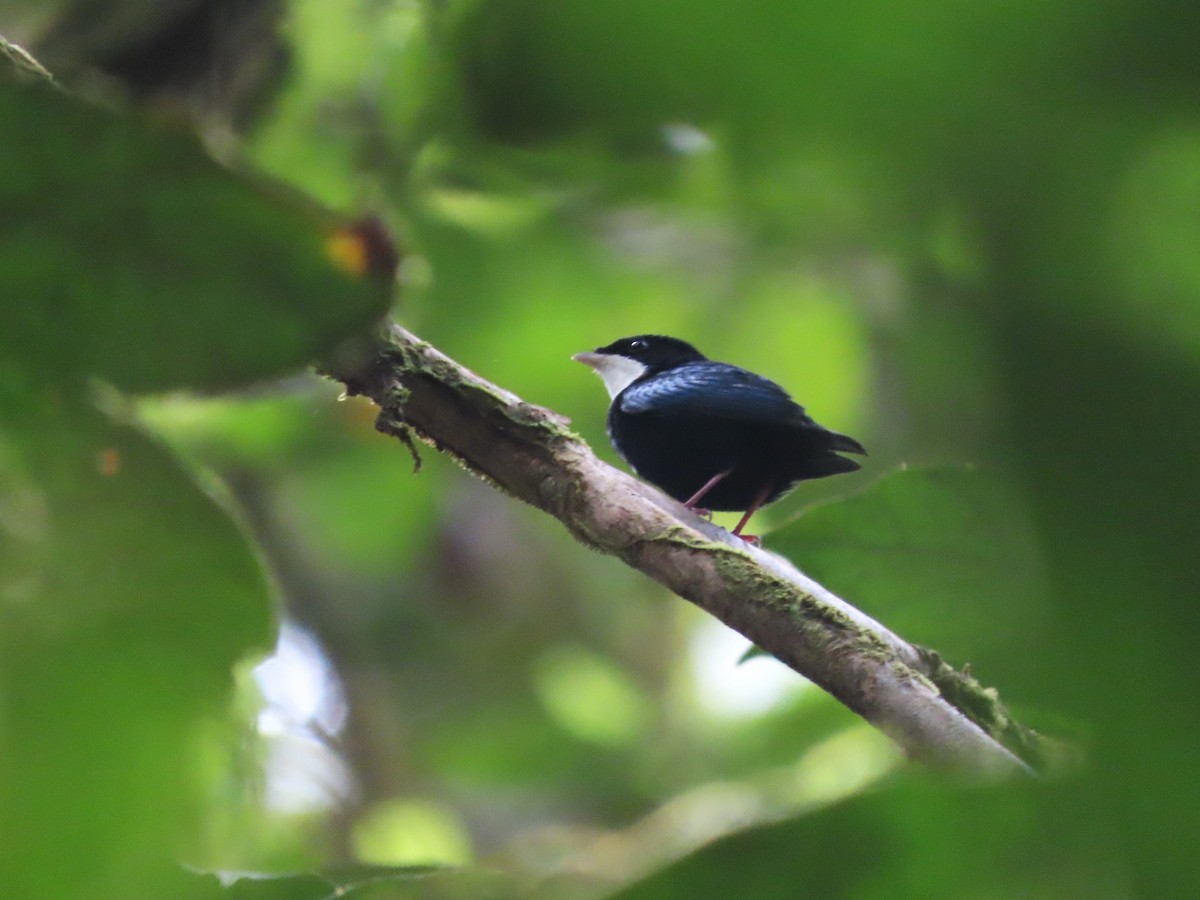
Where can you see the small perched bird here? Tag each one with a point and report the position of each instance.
(708, 432)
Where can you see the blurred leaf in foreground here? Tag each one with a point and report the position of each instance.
(118, 643)
(945, 556)
(913, 839)
(128, 254)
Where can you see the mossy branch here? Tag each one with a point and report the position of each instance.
(939, 716)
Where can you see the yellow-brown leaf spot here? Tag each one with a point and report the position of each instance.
(108, 462)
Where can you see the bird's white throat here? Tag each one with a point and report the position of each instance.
(617, 372)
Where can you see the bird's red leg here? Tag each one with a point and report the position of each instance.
(758, 501)
(708, 486)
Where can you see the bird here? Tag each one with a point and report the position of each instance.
(708, 432)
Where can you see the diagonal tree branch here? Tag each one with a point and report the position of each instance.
(939, 716)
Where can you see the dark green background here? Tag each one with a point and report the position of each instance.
(966, 235)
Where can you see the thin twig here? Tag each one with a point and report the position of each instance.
(23, 64)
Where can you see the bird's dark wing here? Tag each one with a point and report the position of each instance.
(715, 391)
(711, 390)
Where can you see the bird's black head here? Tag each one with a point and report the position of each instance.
(625, 361)
(654, 351)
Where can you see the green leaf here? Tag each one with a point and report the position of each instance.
(752, 652)
(944, 556)
(128, 254)
(912, 839)
(118, 634)
(361, 882)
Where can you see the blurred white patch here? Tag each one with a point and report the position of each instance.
(733, 691)
(701, 250)
(686, 139)
(304, 711)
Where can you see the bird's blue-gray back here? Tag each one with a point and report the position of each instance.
(713, 391)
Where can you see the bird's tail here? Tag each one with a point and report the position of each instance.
(829, 464)
(845, 444)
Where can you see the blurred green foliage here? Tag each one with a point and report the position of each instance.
(961, 234)
(933, 552)
(106, 274)
(128, 597)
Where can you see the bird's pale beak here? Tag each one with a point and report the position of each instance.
(588, 359)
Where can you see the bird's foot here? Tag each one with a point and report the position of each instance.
(705, 514)
(754, 539)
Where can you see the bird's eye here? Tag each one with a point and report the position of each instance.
(637, 345)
